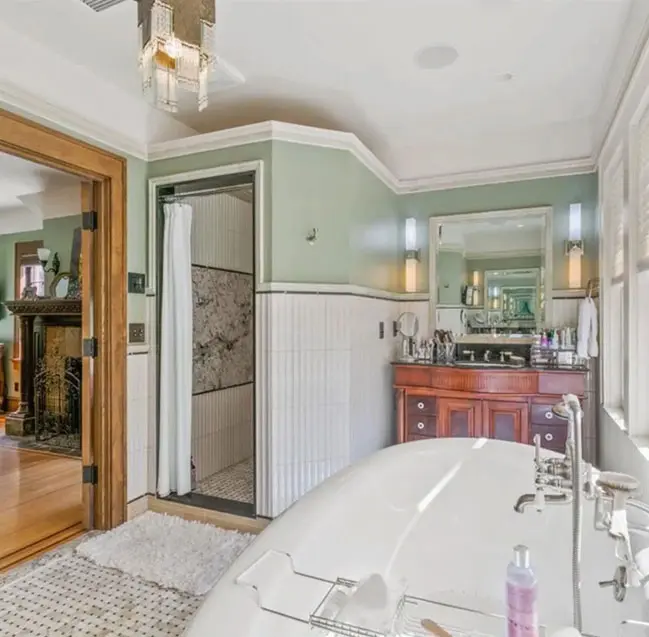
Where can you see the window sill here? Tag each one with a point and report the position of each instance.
(641, 442)
(617, 416)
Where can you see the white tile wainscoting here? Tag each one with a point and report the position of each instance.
(324, 390)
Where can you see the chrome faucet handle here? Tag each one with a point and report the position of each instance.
(619, 583)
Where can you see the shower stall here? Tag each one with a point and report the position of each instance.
(222, 419)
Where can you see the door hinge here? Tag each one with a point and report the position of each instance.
(90, 347)
(89, 220)
(90, 474)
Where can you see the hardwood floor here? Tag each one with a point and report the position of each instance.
(40, 502)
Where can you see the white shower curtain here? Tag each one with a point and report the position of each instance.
(174, 462)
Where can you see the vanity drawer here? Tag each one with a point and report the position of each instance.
(421, 405)
(543, 415)
(422, 426)
(552, 437)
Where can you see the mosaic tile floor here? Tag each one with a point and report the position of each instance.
(72, 597)
(232, 483)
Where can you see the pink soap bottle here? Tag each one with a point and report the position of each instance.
(522, 613)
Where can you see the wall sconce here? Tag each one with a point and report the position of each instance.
(312, 236)
(574, 247)
(411, 255)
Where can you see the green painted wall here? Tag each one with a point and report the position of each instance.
(558, 192)
(375, 233)
(451, 277)
(309, 187)
(57, 236)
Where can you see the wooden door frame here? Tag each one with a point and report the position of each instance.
(34, 142)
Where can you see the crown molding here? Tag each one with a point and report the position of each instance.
(323, 138)
(25, 103)
(561, 168)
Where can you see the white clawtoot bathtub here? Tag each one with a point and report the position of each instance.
(437, 515)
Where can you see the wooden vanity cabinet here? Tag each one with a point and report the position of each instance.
(442, 402)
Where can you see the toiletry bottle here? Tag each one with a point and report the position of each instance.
(522, 614)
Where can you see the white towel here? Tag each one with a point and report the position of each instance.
(587, 346)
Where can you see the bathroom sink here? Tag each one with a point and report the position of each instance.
(489, 364)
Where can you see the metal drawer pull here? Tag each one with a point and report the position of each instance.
(548, 415)
(420, 425)
(549, 437)
(420, 405)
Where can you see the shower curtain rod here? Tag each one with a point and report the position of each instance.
(206, 191)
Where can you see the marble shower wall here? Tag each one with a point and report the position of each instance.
(223, 351)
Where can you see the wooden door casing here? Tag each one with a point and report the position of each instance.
(458, 418)
(505, 420)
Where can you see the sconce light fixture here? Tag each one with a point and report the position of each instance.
(411, 255)
(312, 236)
(574, 247)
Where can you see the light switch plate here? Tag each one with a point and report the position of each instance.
(136, 283)
(136, 333)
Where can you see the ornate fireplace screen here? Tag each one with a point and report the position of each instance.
(57, 400)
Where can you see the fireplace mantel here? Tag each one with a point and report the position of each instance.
(44, 307)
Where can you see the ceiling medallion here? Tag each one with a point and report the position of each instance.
(176, 49)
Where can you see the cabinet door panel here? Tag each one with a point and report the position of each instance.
(505, 421)
(458, 418)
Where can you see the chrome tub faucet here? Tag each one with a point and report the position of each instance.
(570, 480)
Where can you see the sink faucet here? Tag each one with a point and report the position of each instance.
(573, 480)
(487, 355)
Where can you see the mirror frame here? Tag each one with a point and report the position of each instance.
(434, 224)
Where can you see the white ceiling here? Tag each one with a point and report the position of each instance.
(19, 177)
(350, 65)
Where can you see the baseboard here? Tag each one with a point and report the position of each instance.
(196, 514)
(137, 507)
(34, 550)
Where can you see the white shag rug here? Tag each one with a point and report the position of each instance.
(169, 551)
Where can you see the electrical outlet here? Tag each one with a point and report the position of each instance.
(381, 329)
(136, 283)
(16, 387)
(136, 333)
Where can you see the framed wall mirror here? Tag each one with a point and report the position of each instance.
(491, 272)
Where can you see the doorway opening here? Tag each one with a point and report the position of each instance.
(222, 419)
(62, 329)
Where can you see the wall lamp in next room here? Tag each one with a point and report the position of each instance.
(411, 255)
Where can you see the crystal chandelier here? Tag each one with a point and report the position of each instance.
(176, 49)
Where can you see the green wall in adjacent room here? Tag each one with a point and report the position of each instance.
(57, 236)
(558, 192)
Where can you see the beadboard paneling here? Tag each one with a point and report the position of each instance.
(222, 235)
(138, 443)
(329, 389)
(222, 421)
(222, 428)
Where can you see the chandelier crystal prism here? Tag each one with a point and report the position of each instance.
(176, 49)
